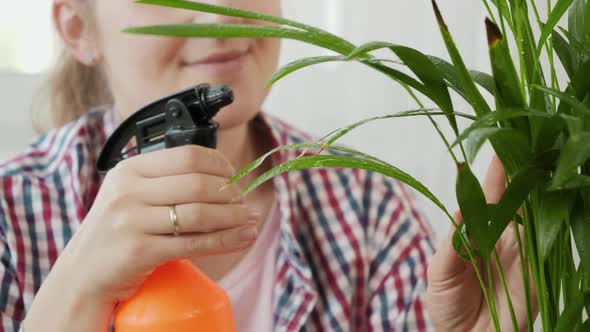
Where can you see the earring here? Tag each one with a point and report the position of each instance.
(90, 59)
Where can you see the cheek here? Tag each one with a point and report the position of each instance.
(135, 65)
(137, 70)
(250, 90)
(266, 56)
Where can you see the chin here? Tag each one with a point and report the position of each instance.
(236, 115)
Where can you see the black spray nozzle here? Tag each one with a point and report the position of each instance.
(219, 97)
(210, 100)
(182, 118)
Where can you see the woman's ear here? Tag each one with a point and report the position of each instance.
(74, 29)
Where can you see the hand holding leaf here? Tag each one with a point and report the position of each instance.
(455, 300)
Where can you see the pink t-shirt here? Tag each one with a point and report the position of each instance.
(250, 284)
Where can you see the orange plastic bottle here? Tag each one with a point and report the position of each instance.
(176, 297)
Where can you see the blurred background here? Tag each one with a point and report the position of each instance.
(319, 99)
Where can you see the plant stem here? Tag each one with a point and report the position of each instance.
(525, 278)
(501, 14)
(529, 233)
(517, 32)
(434, 124)
(465, 242)
(554, 82)
(493, 309)
(549, 48)
(506, 291)
(490, 12)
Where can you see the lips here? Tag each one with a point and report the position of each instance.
(218, 58)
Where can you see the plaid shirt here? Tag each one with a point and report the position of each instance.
(352, 253)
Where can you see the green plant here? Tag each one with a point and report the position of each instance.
(539, 130)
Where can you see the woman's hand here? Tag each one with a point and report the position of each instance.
(455, 300)
(128, 231)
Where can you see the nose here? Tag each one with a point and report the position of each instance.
(201, 17)
(209, 18)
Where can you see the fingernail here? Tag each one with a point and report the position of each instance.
(248, 234)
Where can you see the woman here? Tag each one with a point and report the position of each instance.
(336, 249)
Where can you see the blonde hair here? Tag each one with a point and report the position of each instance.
(71, 90)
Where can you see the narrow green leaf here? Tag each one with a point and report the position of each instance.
(573, 102)
(258, 162)
(564, 52)
(585, 326)
(337, 134)
(399, 77)
(221, 10)
(550, 129)
(321, 161)
(581, 81)
(556, 14)
(364, 49)
(517, 141)
(474, 209)
(234, 12)
(580, 219)
(519, 188)
(573, 123)
(474, 97)
(458, 243)
(503, 6)
(430, 76)
(450, 74)
(423, 68)
(552, 212)
(300, 64)
(577, 24)
(512, 156)
(576, 30)
(581, 50)
(529, 61)
(571, 276)
(577, 182)
(506, 81)
(491, 119)
(573, 154)
(572, 314)
(204, 30)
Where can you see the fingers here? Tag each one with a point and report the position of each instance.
(189, 188)
(176, 161)
(197, 218)
(198, 245)
(446, 264)
(494, 183)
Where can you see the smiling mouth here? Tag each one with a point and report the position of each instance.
(218, 59)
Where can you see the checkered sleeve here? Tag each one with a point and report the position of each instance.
(401, 246)
(11, 301)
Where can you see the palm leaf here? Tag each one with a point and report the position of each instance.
(225, 11)
(203, 30)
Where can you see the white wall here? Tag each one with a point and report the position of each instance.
(16, 93)
(331, 96)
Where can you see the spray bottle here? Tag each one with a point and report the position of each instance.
(176, 296)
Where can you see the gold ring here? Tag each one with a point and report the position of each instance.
(174, 220)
